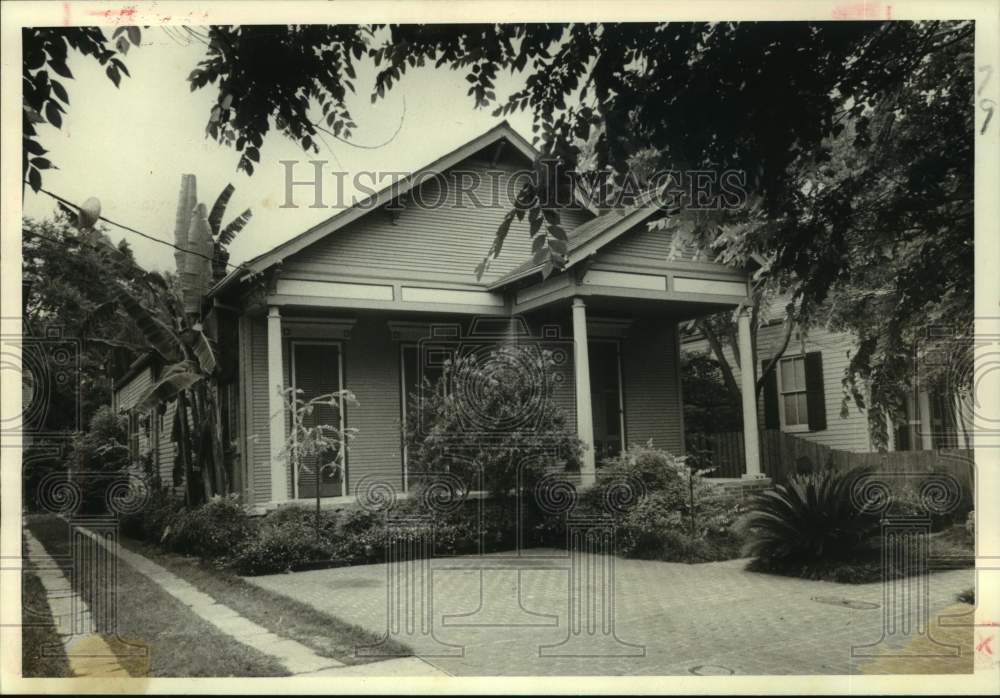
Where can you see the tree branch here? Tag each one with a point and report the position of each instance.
(789, 325)
(713, 341)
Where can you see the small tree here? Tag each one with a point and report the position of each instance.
(323, 444)
(492, 416)
(102, 454)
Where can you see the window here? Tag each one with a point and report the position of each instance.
(792, 386)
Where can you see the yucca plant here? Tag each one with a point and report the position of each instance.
(810, 518)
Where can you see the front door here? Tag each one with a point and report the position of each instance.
(317, 371)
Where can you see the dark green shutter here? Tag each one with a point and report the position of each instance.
(815, 397)
(771, 418)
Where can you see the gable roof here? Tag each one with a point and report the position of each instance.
(500, 132)
(586, 239)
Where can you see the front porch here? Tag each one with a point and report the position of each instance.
(614, 331)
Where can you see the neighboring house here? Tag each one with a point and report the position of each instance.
(367, 299)
(804, 395)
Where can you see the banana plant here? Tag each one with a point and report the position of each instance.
(170, 321)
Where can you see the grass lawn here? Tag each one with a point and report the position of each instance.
(179, 643)
(326, 635)
(949, 549)
(38, 634)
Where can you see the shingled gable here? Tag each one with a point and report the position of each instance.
(500, 133)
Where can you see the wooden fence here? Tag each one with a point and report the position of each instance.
(783, 455)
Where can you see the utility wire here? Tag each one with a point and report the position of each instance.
(66, 202)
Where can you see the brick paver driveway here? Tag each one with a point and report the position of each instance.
(504, 615)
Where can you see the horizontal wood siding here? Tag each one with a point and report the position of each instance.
(372, 373)
(128, 394)
(564, 387)
(647, 247)
(259, 424)
(439, 239)
(847, 433)
(649, 374)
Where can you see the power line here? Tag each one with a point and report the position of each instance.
(67, 202)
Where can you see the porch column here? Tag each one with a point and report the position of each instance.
(748, 388)
(890, 432)
(584, 415)
(276, 406)
(926, 425)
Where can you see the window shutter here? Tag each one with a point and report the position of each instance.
(772, 420)
(815, 397)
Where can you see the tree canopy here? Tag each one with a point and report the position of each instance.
(855, 138)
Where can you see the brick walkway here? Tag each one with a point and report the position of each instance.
(508, 616)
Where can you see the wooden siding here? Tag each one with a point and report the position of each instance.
(372, 373)
(651, 385)
(128, 394)
(371, 365)
(848, 433)
(645, 247)
(259, 437)
(441, 242)
(159, 442)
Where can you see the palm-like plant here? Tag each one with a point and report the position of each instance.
(811, 518)
(170, 318)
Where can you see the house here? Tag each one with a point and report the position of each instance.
(363, 301)
(804, 395)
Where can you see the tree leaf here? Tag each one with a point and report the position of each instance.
(60, 91)
(175, 378)
(219, 209)
(34, 147)
(52, 114)
(59, 65)
(235, 226)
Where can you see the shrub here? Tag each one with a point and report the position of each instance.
(100, 449)
(647, 525)
(680, 486)
(278, 548)
(212, 530)
(153, 521)
(657, 470)
(503, 400)
(811, 518)
(304, 517)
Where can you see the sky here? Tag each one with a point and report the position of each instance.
(128, 147)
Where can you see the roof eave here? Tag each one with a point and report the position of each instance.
(394, 189)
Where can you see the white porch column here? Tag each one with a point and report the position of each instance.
(581, 369)
(926, 425)
(748, 388)
(890, 432)
(276, 406)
